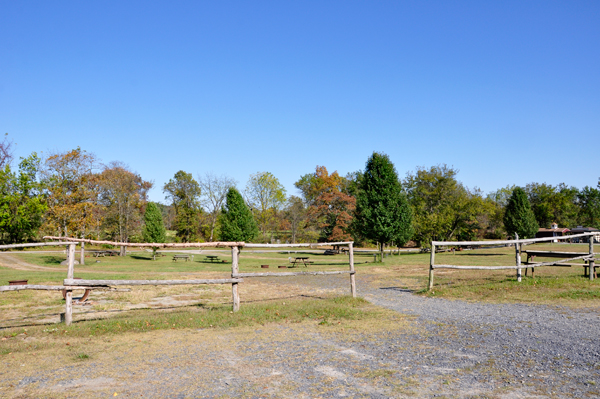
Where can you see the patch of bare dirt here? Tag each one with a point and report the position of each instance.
(13, 262)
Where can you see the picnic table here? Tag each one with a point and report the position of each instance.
(105, 253)
(176, 257)
(81, 299)
(557, 254)
(212, 258)
(300, 259)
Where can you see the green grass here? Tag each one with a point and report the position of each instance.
(329, 311)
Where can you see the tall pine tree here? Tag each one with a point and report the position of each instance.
(382, 212)
(518, 216)
(154, 229)
(237, 222)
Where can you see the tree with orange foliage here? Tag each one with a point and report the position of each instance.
(71, 188)
(329, 207)
(123, 194)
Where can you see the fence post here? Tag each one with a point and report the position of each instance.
(518, 258)
(82, 254)
(431, 263)
(69, 292)
(234, 272)
(352, 279)
(591, 263)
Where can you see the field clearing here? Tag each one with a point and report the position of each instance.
(551, 285)
(293, 337)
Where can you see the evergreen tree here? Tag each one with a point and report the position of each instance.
(154, 229)
(237, 222)
(518, 216)
(382, 212)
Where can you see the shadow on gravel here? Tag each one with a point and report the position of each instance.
(398, 289)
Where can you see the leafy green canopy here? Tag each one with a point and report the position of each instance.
(21, 203)
(237, 222)
(382, 212)
(518, 216)
(184, 192)
(443, 208)
(589, 203)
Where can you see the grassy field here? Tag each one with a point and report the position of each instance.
(551, 285)
(29, 330)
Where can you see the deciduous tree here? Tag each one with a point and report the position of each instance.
(214, 190)
(123, 194)
(266, 195)
(295, 213)
(71, 188)
(553, 204)
(21, 201)
(184, 193)
(588, 200)
(442, 207)
(330, 208)
(6, 152)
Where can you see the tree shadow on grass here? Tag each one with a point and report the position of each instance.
(141, 257)
(483, 254)
(52, 260)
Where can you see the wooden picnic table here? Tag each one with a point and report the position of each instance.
(186, 257)
(301, 259)
(104, 253)
(80, 299)
(212, 258)
(557, 254)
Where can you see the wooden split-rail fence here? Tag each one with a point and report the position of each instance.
(70, 283)
(566, 257)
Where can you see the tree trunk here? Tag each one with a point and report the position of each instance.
(382, 247)
(82, 256)
(123, 251)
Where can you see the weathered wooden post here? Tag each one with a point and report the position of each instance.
(352, 279)
(591, 263)
(518, 257)
(234, 273)
(431, 263)
(69, 292)
(82, 254)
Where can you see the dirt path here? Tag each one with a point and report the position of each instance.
(444, 349)
(13, 262)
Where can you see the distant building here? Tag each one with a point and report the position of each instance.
(581, 229)
(554, 231)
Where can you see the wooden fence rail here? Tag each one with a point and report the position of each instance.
(517, 243)
(70, 283)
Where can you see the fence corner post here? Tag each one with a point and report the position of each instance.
(234, 272)
(431, 264)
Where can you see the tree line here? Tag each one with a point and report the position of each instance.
(74, 194)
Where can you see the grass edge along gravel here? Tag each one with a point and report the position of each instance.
(338, 311)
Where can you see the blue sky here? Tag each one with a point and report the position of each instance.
(507, 92)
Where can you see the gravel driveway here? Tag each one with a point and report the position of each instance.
(453, 349)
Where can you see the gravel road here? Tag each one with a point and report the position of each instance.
(453, 349)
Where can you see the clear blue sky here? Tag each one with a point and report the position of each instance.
(508, 92)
